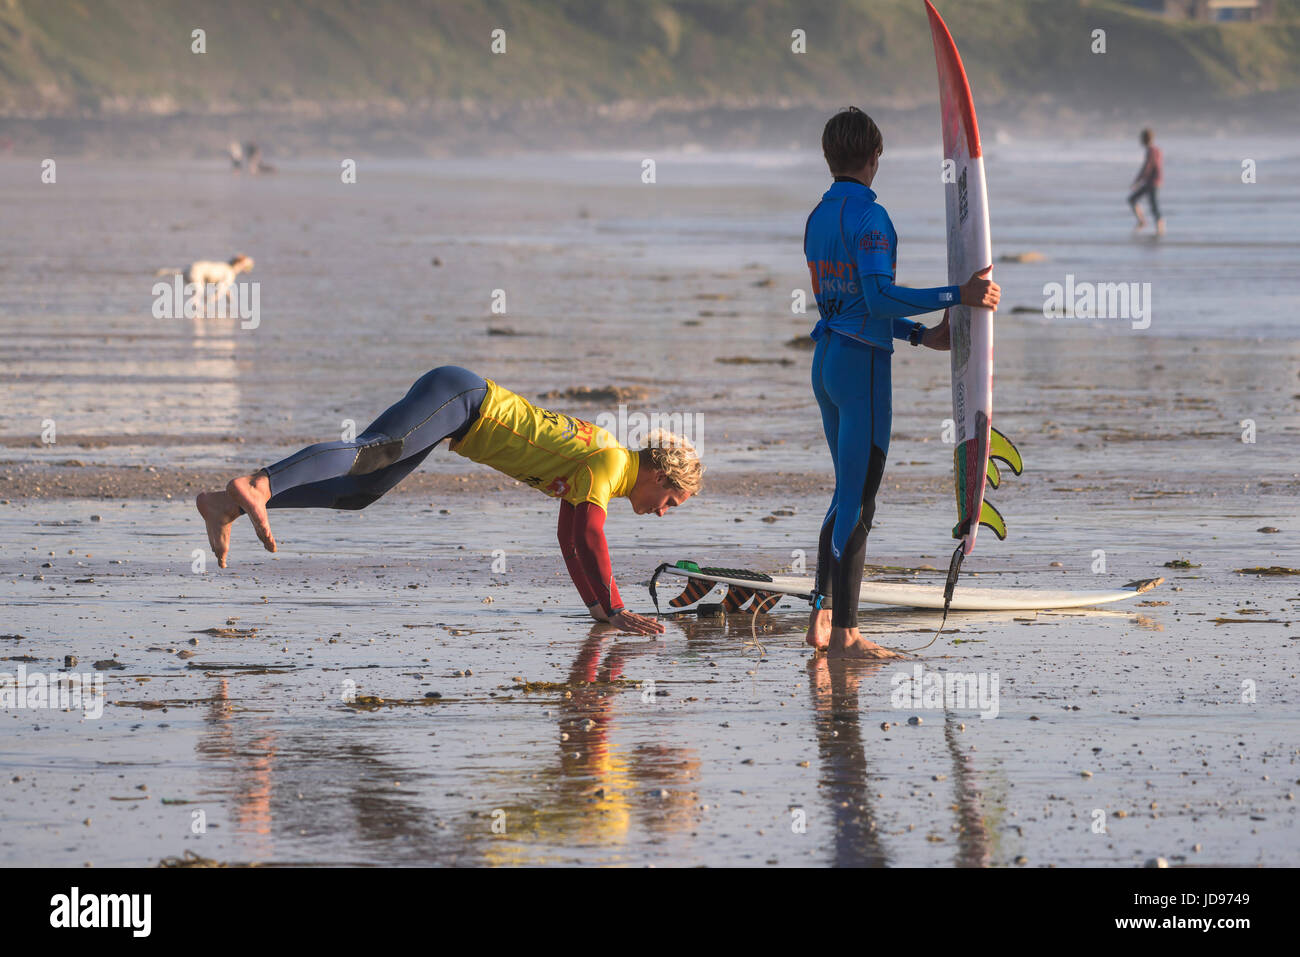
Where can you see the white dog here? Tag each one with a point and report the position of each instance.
(206, 272)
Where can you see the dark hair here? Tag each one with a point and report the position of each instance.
(850, 140)
(1147, 136)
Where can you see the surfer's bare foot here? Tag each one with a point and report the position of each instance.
(219, 511)
(819, 628)
(251, 493)
(1141, 221)
(849, 643)
(1160, 227)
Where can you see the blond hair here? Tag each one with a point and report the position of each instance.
(676, 458)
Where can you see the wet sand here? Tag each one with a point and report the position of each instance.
(230, 699)
(231, 696)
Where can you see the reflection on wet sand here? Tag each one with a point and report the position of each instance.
(296, 788)
(596, 790)
(973, 831)
(284, 788)
(833, 685)
(249, 757)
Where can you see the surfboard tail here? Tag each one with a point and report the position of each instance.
(1000, 449)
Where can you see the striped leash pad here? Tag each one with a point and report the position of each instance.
(697, 588)
(743, 574)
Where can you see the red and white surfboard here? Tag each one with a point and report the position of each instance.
(969, 249)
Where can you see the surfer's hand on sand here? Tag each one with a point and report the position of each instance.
(637, 624)
(981, 292)
(938, 337)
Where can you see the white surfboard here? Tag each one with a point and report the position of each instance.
(755, 591)
(970, 248)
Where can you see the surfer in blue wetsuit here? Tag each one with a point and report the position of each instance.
(852, 250)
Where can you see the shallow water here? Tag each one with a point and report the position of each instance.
(1132, 442)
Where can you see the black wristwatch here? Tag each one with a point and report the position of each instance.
(914, 337)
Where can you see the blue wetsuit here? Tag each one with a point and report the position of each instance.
(851, 248)
(350, 475)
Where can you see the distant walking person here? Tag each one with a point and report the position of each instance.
(1149, 179)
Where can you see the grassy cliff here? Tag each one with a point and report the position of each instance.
(108, 57)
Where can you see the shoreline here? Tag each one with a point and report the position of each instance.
(455, 129)
(22, 482)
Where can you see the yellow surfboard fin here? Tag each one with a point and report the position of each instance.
(1001, 447)
(991, 518)
(994, 475)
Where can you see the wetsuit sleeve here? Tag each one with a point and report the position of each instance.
(587, 555)
(568, 548)
(903, 328)
(888, 301)
(876, 255)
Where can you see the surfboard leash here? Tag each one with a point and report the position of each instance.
(654, 591)
(949, 586)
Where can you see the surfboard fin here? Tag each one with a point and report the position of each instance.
(1001, 447)
(735, 598)
(994, 476)
(738, 598)
(991, 518)
(695, 589)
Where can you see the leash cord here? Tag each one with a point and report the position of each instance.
(949, 586)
